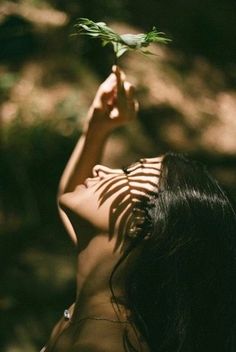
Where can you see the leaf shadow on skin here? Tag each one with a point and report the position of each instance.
(128, 210)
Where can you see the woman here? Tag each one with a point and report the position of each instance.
(156, 246)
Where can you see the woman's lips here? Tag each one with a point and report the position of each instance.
(80, 186)
(86, 183)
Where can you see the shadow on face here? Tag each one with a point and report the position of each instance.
(133, 188)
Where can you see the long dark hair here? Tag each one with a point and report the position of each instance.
(181, 288)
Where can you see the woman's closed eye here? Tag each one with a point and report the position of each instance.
(132, 167)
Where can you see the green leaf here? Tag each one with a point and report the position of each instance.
(133, 40)
(121, 51)
(121, 43)
(102, 24)
(105, 42)
(95, 35)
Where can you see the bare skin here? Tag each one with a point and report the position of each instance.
(87, 223)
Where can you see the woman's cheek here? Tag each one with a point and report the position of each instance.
(86, 206)
(98, 216)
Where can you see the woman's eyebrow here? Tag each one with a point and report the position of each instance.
(142, 161)
(139, 161)
(125, 168)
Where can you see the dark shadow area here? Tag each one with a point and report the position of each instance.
(36, 254)
(198, 28)
(18, 40)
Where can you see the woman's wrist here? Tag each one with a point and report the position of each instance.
(98, 126)
(95, 135)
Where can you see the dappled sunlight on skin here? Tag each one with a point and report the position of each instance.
(134, 187)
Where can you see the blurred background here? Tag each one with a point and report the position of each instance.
(48, 78)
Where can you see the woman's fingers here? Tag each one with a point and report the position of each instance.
(129, 90)
(115, 96)
(108, 84)
(106, 92)
(120, 77)
(117, 80)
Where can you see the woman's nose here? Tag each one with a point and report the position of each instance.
(101, 171)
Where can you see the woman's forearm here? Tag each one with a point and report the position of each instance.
(88, 152)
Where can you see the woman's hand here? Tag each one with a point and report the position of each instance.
(114, 103)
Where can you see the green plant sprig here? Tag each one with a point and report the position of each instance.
(121, 43)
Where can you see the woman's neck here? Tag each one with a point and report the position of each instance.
(94, 268)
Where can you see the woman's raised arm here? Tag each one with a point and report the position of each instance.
(114, 105)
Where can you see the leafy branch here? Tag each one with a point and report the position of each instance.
(121, 43)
